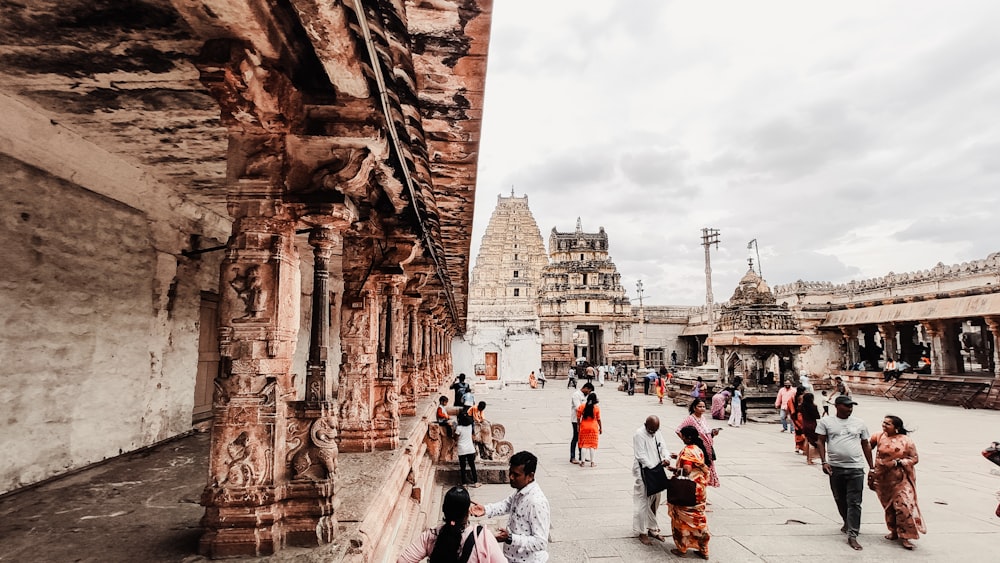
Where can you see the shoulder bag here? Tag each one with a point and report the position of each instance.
(654, 478)
(470, 543)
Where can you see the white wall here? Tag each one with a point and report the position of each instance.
(98, 329)
(517, 354)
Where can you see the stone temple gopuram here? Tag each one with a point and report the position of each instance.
(503, 339)
(582, 306)
(251, 216)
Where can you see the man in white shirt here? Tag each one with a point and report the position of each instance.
(576, 399)
(844, 448)
(527, 535)
(647, 442)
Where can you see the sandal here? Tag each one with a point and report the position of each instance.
(644, 539)
(677, 552)
(906, 544)
(891, 537)
(657, 536)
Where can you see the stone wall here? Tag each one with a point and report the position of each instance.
(99, 330)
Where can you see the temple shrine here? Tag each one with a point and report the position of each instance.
(503, 340)
(584, 313)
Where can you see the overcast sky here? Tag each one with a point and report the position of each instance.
(850, 139)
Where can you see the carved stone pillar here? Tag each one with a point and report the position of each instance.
(449, 366)
(309, 517)
(944, 347)
(319, 387)
(438, 365)
(428, 384)
(390, 346)
(358, 343)
(409, 377)
(272, 459)
(370, 341)
(850, 334)
(889, 348)
(993, 324)
(259, 319)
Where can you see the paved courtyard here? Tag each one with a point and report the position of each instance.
(771, 505)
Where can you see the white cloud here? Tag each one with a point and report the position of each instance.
(850, 138)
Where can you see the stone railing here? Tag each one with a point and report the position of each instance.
(988, 265)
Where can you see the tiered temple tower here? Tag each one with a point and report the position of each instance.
(582, 306)
(503, 318)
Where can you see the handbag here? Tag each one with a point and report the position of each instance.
(682, 491)
(655, 479)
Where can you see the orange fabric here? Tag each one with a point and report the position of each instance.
(688, 523)
(896, 485)
(590, 428)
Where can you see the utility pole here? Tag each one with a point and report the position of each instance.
(753, 244)
(708, 238)
(642, 335)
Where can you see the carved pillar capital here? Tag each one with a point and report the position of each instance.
(251, 91)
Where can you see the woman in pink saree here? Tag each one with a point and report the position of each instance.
(894, 480)
(699, 420)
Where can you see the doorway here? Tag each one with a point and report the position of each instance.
(491, 366)
(208, 357)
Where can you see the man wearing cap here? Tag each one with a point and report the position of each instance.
(785, 394)
(845, 452)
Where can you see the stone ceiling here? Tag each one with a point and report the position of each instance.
(120, 74)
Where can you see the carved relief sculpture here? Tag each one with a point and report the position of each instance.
(249, 286)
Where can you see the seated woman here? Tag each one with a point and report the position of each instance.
(454, 540)
(719, 402)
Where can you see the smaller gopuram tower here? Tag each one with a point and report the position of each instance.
(582, 306)
(503, 320)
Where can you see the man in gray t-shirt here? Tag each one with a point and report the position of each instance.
(844, 448)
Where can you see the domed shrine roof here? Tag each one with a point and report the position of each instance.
(752, 290)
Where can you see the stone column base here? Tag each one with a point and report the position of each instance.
(240, 531)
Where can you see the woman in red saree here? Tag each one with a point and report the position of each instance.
(699, 420)
(795, 412)
(894, 480)
(688, 523)
(808, 415)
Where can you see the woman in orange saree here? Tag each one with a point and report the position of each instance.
(688, 523)
(590, 429)
(795, 413)
(894, 480)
